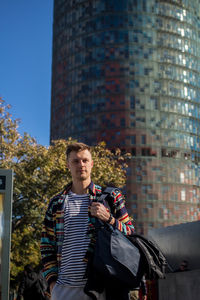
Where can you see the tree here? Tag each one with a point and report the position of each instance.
(39, 173)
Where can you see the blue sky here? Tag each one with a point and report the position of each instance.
(25, 63)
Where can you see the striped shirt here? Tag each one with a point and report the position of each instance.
(75, 242)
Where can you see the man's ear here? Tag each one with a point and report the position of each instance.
(92, 163)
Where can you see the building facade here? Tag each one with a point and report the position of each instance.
(128, 72)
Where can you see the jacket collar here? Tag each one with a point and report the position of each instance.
(91, 189)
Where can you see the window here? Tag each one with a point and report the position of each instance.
(134, 197)
(132, 102)
(146, 152)
(134, 205)
(143, 139)
(122, 122)
(145, 211)
(133, 151)
(152, 196)
(150, 225)
(135, 216)
(182, 177)
(133, 139)
(183, 195)
(139, 178)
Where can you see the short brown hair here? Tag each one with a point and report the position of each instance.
(77, 147)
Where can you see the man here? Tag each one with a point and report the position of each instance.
(65, 242)
(183, 266)
(30, 287)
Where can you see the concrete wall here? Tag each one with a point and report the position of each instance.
(179, 242)
(180, 286)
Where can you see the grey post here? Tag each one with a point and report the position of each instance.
(6, 195)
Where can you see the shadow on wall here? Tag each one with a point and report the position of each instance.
(178, 243)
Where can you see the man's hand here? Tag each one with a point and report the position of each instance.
(100, 211)
(52, 286)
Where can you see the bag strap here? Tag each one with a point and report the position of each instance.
(106, 197)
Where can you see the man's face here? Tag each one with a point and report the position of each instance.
(80, 165)
(183, 266)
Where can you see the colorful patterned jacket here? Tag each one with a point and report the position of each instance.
(53, 227)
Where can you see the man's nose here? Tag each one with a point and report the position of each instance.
(81, 163)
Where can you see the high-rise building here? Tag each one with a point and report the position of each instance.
(128, 72)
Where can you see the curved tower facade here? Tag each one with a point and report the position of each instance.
(128, 72)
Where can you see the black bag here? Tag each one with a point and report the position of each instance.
(125, 258)
(117, 258)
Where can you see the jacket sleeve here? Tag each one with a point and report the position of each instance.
(48, 246)
(122, 220)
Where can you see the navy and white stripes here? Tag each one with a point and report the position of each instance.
(76, 241)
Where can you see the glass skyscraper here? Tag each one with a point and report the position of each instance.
(128, 72)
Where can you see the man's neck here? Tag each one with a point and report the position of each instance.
(80, 187)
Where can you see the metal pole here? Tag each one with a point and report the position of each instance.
(6, 196)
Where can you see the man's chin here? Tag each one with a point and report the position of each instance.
(83, 177)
